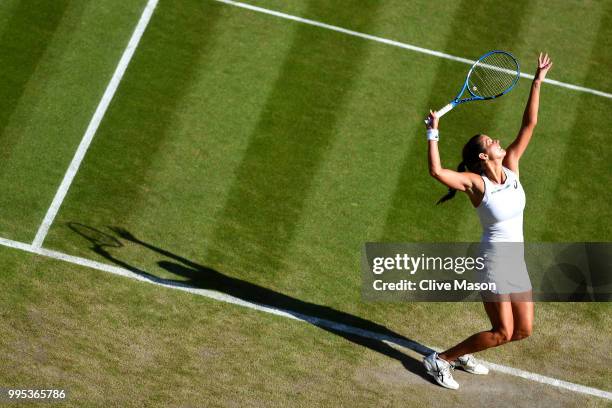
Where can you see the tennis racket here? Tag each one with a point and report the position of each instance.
(493, 75)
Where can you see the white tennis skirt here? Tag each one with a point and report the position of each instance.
(505, 267)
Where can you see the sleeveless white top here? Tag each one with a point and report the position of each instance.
(501, 209)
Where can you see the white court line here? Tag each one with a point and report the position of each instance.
(398, 44)
(94, 123)
(419, 348)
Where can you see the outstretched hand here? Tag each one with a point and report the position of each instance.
(544, 64)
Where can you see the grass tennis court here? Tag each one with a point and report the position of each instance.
(265, 152)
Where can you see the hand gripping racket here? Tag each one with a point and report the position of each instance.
(493, 75)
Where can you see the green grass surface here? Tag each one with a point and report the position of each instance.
(57, 58)
(267, 152)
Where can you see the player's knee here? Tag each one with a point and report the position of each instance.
(502, 336)
(522, 333)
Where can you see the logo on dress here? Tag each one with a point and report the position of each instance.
(515, 184)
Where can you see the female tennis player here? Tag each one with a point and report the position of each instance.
(492, 185)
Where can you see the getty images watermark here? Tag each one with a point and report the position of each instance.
(421, 263)
(471, 271)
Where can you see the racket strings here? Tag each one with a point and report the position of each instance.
(490, 81)
(493, 75)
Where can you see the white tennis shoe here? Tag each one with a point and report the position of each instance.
(440, 370)
(471, 365)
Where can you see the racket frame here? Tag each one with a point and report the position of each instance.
(457, 101)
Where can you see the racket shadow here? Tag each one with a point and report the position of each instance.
(353, 328)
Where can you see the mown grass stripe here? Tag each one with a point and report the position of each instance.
(289, 143)
(21, 52)
(580, 197)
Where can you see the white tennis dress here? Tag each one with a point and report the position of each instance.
(501, 217)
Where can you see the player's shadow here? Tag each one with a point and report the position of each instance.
(337, 322)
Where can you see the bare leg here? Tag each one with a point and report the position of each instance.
(522, 312)
(502, 321)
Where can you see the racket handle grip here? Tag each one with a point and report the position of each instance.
(445, 110)
(442, 111)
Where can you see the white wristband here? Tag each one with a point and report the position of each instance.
(433, 134)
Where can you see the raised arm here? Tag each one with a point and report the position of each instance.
(450, 178)
(530, 116)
